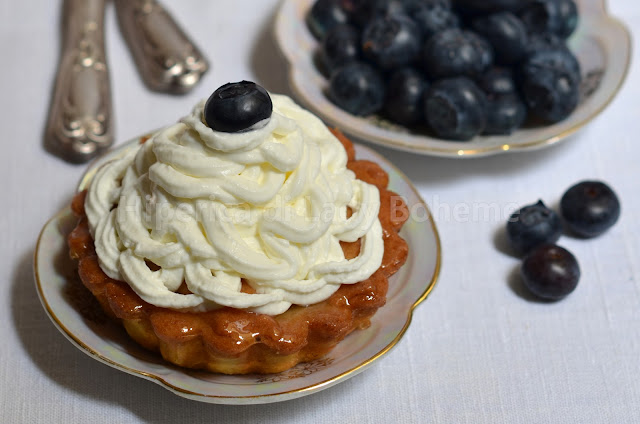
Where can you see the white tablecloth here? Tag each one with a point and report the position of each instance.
(477, 350)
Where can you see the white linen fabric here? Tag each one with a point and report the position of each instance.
(477, 351)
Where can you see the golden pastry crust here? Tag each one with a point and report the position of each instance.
(234, 341)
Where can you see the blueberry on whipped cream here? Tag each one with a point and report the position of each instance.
(238, 107)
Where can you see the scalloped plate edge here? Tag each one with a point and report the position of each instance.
(285, 395)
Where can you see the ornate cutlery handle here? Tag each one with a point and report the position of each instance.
(80, 124)
(167, 60)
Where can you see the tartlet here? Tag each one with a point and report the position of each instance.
(240, 341)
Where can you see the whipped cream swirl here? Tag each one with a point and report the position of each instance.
(209, 209)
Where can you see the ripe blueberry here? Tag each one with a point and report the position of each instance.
(454, 52)
(590, 208)
(357, 88)
(497, 81)
(432, 16)
(505, 113)
(391, 42)
(238, 107)
(507, 35)
(532, 226)
(404, 103)
(559, 17)
(324, 15)
(550, 272)
(455, 108)
(551, 83)
(341, 46)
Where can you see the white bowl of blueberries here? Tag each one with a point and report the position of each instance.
(457, 78)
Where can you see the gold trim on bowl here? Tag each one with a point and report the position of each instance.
(306, 81)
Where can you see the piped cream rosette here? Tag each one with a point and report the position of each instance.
(210, 208)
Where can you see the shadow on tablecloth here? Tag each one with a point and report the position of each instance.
(80, 376)
(268, 62)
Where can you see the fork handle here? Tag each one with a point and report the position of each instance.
(80, 124)
(167, 59)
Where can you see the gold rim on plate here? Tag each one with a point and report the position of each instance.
(288, 394)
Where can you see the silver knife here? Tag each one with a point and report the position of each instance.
(80, 124)
(166, 59)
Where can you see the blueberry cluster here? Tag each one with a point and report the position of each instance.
(551, 272)
(458, 67)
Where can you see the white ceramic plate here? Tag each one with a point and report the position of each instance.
(78, 316)
(601, 43)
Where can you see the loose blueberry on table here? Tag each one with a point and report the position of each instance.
(377, 40)
(532, 226)
(238, 107)
(550, 272)
(590, 208)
